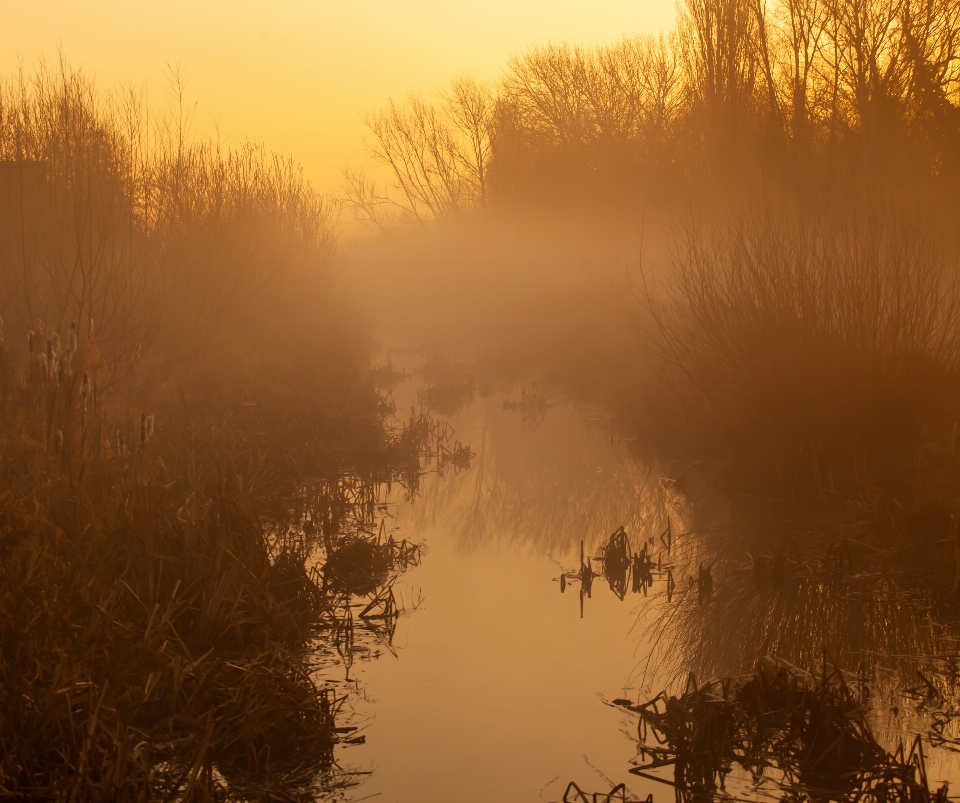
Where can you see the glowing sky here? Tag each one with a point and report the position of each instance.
(298, 75)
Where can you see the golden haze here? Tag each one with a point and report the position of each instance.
(298, 75)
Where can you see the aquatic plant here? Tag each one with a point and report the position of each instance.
(804, 734)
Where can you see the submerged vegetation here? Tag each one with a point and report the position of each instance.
(803, 662)
(800, 736)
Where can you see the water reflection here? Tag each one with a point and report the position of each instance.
(780, 733)
(545, 487)
(764, 612)
(532, 406)
(495, 678)
(796, 591)
(490, 691)
(343, 545)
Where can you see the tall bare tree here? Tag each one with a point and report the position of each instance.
(436, 154)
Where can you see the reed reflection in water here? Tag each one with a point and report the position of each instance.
(809, 596)
(544, 489)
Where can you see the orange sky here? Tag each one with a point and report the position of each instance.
(298, 74)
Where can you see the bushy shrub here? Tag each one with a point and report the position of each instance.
(813, 354)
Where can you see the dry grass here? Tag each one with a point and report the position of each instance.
(156, 591)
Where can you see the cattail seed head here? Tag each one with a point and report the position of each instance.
(72, 337)
(148, 427)
(30, 337)
(85, 389)
(68, 360)
(90, 329)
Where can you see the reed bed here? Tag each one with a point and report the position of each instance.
(162, 574)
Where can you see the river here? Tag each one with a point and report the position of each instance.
(497, 680)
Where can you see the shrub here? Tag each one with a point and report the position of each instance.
(811, 354)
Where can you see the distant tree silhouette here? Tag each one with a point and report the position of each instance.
(804, 89)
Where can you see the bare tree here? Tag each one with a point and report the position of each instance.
(815, 79)
(800, 26)
(718, 39)
(470, 108)
(92, 269)
(436, 153)
(128, 228)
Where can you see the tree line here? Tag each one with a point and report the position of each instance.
(793, 88)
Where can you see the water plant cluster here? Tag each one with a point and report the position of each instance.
(796, 735)
(193, 459)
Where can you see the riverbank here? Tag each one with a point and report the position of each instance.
(163, 572)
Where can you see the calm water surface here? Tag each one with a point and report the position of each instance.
(495, 686)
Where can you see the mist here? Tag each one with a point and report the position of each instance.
(597, 433)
